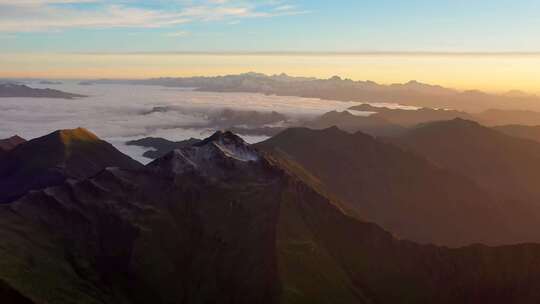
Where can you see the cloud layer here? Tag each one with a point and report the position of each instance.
(118, 113)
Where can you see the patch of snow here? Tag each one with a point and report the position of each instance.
(207, 157)
(238, 152)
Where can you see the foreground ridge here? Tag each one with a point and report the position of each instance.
(222, 221)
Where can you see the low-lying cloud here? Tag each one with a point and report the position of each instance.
(119, 113)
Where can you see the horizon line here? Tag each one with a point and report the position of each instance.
(313, 53)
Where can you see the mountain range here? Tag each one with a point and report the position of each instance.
(221, 221)
(503, 164)
(497, 117)
(401, 191)
(372, 124)
(411, 118)
(383, 121)
(360, 171)
(335, 88)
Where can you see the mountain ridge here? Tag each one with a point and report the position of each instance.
(525, 132)
(53, 158)
(395, 188)
(141, 235)
(336, 88)
(21, 90)
(498, 161)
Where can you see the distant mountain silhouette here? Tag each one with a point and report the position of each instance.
(221, 222)
(491, 117)
(400, 191)
(409, 118)
(373, 125)
(525, 132)
(335, 88)
(51, 159)
(504, 164)
(497, 117)
(20, 90)
(161, 146)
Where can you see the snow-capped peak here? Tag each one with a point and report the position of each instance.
(219, 153)
(232, 146)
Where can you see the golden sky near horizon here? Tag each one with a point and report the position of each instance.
(488, 72)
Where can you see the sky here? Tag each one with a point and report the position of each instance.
(443, 38)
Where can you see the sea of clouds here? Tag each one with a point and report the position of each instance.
(119, 113)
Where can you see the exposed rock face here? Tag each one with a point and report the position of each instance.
(51, 159)
(233, 225)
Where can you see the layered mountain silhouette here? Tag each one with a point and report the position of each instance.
(51, 159)
(410, 118)
(503, 164)
(403, 192)
(393, 122)
(21, 90)
(506, 166)
(498, 117)
(223, 222)
(335, 88)
(525, 132)
(373, 125)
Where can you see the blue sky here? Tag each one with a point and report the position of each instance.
(269, 25)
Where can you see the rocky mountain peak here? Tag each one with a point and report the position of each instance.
(218, 155)
(231, 146)
(78, 134)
